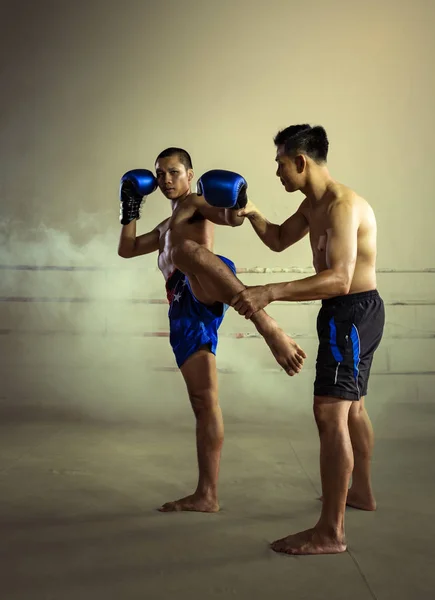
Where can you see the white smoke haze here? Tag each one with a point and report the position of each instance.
(78, 319)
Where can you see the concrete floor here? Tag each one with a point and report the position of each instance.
(89, 451)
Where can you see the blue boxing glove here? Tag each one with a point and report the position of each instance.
(223, 189)
(135, 185)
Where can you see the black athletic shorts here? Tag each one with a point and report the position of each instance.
(350, 329)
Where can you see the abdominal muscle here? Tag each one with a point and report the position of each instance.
(201, 232)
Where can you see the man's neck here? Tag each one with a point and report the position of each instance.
(176, 201)
(319, 182)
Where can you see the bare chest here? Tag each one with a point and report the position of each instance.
(197, 229)
(318, 239)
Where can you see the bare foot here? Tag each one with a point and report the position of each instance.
(285, 350)
(361, 501)
(310, 541)
(191, 503)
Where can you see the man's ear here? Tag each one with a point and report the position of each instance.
(190, 175)
(300, 162)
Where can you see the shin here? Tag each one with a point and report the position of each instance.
(336, 461)
(362, 438)
(209, 441)
(199, 372)
(200, 375)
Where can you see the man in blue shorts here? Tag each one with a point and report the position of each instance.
(199, 286)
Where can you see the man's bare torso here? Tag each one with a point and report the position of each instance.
(195, 228)
(364, 278)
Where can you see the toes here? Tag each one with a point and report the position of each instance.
(293, 368)
(168, 507)
(274, 545)
(301, 354)
(277, 546)
(285, 546)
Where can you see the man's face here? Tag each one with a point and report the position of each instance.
(287, 171)
(172, 177)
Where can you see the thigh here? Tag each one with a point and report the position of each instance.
(200, 374)
(206, 296)
(336, 372)
(330, 410)
(210, 290)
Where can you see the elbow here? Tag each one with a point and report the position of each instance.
(123, 253)
(344, 290)
(233, 221)
(343, 286)
(275, 243)
(275, 246)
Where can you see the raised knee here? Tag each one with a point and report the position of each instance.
(182, 250)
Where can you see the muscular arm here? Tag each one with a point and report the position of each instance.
(131, 246)
(341, 253)
(221, 216)
(194, 203)
(279, 237)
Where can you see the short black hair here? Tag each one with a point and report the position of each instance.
(304, 139)
(183, 155)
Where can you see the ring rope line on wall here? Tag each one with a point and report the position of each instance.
(239, 270)
(238, 335)
(78, 300)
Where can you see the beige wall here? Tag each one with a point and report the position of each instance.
(92, 89)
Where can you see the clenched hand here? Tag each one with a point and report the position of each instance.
(251, 300)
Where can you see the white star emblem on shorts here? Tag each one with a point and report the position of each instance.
(177, 297)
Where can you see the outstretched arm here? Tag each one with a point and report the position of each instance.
(341, 253)
(277, 237)
(195, 203)
(222, 216)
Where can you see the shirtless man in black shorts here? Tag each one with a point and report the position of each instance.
(342, 230)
